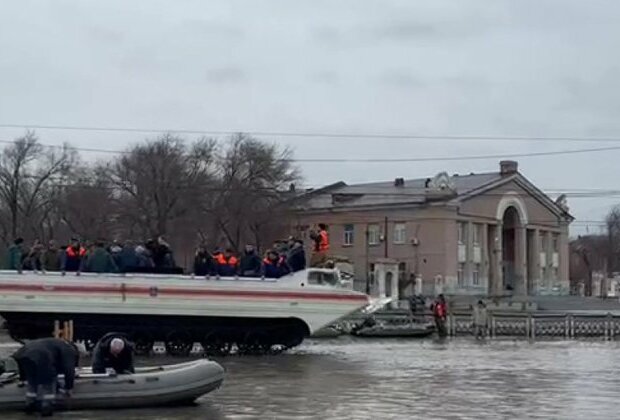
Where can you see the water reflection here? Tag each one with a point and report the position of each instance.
(355, 379)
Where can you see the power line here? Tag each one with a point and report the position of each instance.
(380, 160)
(319, 134)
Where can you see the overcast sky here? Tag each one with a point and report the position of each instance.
(434, 67)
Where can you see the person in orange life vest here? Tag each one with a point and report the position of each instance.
(271, 265)
(323, 241)
(440, 313)
(73, 257)
(227, 263)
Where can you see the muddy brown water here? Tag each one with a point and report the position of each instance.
(347, 378)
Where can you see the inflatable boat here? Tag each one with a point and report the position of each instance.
(149, 387)
(405, 330)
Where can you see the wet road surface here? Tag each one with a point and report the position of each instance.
(347, 378)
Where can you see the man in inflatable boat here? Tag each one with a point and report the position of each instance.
(40, 362)
(115, 352)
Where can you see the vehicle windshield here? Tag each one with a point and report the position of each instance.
(326, 278)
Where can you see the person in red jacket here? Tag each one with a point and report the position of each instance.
(321, 246)
(440, 314)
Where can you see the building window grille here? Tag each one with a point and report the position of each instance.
(349, 235)
(400, 233)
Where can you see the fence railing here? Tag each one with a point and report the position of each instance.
(538, 325)
(530, 325)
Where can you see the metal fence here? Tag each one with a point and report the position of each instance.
(539, 325)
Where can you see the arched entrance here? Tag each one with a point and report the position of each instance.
(510, 223)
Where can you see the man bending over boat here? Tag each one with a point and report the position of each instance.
(113, 351)
(40, 362)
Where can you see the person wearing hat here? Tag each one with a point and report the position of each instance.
(40, 362)
(113, 351)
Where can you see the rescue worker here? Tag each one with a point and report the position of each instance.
(440, 313)
(114, 351)
(40, 362)
(250, 265)
(227, 263)
(72, 257)
(321, 246)
(272, 265)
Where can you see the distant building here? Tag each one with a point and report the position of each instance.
(479, 234)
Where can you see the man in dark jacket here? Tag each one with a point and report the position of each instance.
(40, 362)
(100, 260)
(296, 258)
(50, 260)
(250, 265)
(16, 255)
(204, 265)
(113, 351)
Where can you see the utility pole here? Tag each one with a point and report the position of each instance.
(367, 269)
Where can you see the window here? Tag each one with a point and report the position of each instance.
(555, 243)
(374, 234)
(349, 235)
(371, 274)
(460, 275)
(475, 275)
(461, 232)
(400, 233)
(322, 278)
(477, 234)
(402, 271)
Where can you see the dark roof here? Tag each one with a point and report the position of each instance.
(386, 193)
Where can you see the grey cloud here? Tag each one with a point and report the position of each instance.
(226, 75)
(209, 28)
(406, 30)
(400, 78)
(326, 77)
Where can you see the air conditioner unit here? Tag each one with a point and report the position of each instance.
(414, 241)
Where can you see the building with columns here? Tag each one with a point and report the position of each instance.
(487, 234)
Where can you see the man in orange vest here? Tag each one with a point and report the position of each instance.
(227, 263)
(321, 246)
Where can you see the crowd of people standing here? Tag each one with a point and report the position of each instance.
(155, 256)
(151, 256)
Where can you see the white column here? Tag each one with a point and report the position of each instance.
(520, 260)
(485, 263)
(469, 252)
(535, 261)
(549, 261)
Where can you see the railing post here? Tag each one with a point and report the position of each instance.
(527, 326)
(571, 323)
(533, 327)
(608, 327)
(493, 326)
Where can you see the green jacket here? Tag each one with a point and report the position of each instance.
(100, 261)
(14, 258)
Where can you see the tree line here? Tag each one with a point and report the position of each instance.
(597, 254)
(219, 193)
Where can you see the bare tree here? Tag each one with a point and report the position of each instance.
(253, 178)
(155, 181)
(29, 175)
(588, 255)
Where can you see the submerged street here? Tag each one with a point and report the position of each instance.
(348, 378)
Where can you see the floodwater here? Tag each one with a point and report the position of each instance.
(348, 378)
